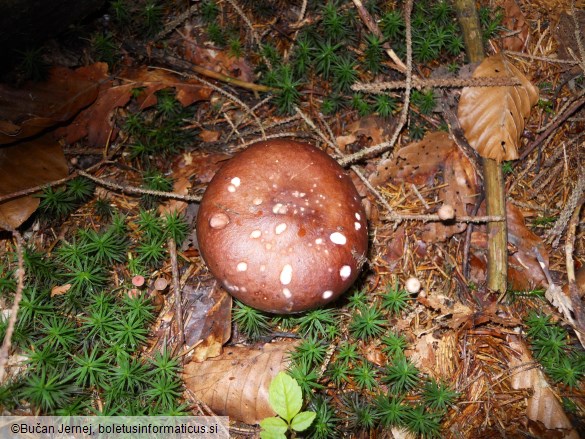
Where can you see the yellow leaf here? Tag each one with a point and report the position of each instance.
(493, 117)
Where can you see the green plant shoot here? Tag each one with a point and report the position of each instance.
(286, 399)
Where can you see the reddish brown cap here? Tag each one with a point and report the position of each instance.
(281, 225)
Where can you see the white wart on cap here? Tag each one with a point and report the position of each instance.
(281, 225)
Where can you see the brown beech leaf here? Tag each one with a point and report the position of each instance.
(96, 122)
(24, 165)
(435, 157)
(493, 117)
(544, 410)
(28, 110)
(235, 384)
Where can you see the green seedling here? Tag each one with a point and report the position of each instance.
(286, 399)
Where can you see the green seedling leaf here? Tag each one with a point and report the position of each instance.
(302, 421)
(285, 396)
(273, 427)
(270, 435)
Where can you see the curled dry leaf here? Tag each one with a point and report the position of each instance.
(544, 410)
(493, 118)
(235, 384)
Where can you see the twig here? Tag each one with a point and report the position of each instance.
(385, 146)
(138, 191)
(373, 28)
(177, 288)
(418, 83)
(541, 58)
(19, 274)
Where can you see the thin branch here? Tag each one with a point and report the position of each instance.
(138, 191)
(177, 288)
(373, 28)
(541, 58)
(19, 274)
(381, 87)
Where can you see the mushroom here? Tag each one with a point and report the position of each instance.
(282, 226)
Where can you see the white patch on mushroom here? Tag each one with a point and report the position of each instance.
(268, 246)
(236, 181)
(231, 188)
(327, 294)
(242, 266)
(257, 201)
(338, 238)
(262, 268)
(345, 272)
(286, 292)
(357, 225)
(319, 241)
(286, 274)
(280, 228)
(357, 216)
(219, 221)
(279, 208)
(255, 234)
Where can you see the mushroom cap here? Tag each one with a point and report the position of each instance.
(282, 226)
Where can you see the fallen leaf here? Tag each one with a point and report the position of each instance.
(97, 122)
(59, 290)
(208, 323)
(209, 135)
(30, 109)
(436, 157)
(24, 165)
(235, 384)
(543, 406)
(493, 117)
